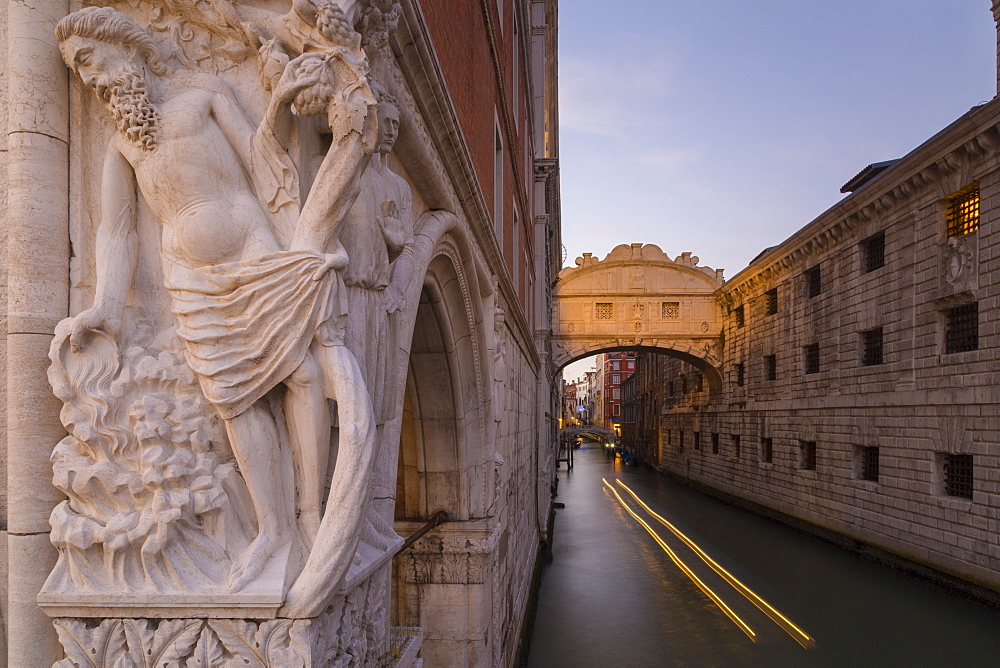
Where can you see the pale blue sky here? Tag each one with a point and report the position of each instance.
(722, 126)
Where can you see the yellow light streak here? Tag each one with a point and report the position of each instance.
(785, 623)
(684, 568)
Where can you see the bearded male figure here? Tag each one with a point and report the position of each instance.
(255, 308)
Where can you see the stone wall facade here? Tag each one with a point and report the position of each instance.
(860, 365)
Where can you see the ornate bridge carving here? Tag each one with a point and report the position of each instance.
(637, 297)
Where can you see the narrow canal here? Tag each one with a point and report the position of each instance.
(614, 597)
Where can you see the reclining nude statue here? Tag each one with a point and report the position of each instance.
(254, 281)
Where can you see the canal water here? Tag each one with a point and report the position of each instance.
(612, 596)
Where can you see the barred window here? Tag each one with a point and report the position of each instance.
(680, 441)
(766, 450)
(873, 252)
(814, 281)
(715, 443)
(603, 311)
(811, 358)
(869, 463)
(771, 301)
(871, 345)
(684, 384)
(738, 314)
(958, 475)
(807, 455)
(736, 447)
(961, 328)
(963, 211)
(699, 382)
(770, 367)
(740, 374)
(670, 310)
(697, 440)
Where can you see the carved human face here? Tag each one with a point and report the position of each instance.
(97, 63)
(389, 127)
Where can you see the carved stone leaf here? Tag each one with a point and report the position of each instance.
(208, 651)
(166, 646)
(239, 639)
(95, 647)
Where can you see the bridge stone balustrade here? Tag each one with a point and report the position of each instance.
(638, 298)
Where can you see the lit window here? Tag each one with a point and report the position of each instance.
(963, 211)
(871, 344)
(961, 328)
(873, 252)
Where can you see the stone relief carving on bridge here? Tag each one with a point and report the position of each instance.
(199, 451)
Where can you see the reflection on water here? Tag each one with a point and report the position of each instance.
(612, 596)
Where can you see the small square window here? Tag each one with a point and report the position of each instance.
(739, 315)
(715, 443)
(767, 450)
(670, 310)
(604, 311)
(814, 281)
(807, 455)
(958, 475)
(736, 447)
(873, 252)
(771, 301)
(697, 440)
(868, 463)
(961, 328)
(871, 347)
(740, 374)
(811, 358)
(770, 367)
(963, 211)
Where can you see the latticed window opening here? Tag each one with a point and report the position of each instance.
(715, 443)
(869, 463)
(871, 343)
(766, 450)
(808, 455)
(963, 211)
(958, 475)
(811, 358)
(670, 310)
(961, 329)
(771, 301)
(739, 315)
(873, 252)
(770, 367)
(603, 311)
(736, 447)
(814, 281)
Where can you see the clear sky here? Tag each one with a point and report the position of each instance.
(722, 126)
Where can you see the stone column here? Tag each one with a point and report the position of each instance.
(38, 294)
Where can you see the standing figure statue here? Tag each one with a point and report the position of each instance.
(254, 310)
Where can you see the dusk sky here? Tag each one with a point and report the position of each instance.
(722, 126)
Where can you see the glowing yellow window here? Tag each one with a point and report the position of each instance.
(963, 211)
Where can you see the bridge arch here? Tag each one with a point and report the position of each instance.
(637, 298)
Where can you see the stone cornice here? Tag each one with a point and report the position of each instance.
(645, 255)
(956, 149)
